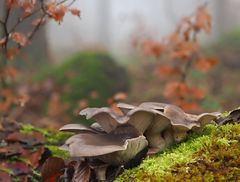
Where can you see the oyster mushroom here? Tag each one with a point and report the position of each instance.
(115, 148)
(102, 145)
(105, 117)
(138, 117)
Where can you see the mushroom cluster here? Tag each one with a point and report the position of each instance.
(115, 139)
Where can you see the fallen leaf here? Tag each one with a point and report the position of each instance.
(30, 139)
(52, 169)
(11, 149)
(33, 156)
(19, 168)
(4, 177)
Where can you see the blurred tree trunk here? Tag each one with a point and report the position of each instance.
(227, 15)
(104, 33)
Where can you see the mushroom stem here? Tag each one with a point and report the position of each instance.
(179, 136)
(168, 137)
(100, 172)
(156, 143)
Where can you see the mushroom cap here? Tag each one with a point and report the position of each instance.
(101, 145)
(77, 128)
(140, 118)
(133, 147)
(125, 108)
(159, 123)
(154, 105)
(97, 126)
(207, 118)
(107, 119)
(91, 145)
(179, 119)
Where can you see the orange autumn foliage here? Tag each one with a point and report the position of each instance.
(205, 64)
(182, 54)
(18, 38)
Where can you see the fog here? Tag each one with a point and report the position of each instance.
(112, 24)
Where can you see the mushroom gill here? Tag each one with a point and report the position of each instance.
(154, 132)
(140, 118)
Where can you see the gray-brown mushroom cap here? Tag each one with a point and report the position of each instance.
(106, 147)
(141, 118)
(179, 119)
(125, 108)
(78, 128)
(105, 117)
(154, 105)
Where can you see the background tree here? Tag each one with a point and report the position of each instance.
(12, 40)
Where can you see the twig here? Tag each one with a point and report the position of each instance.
(20, 20)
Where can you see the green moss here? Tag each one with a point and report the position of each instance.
(56, 152)
(6, 170)
(52, 137)
(179, 162)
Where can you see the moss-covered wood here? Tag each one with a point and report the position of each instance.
(213, 155)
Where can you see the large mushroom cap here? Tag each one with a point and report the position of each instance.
(105, 117)
(133, 147)
(91, 145)
(101, 145)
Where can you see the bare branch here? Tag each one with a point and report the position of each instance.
(20, 20)
(36, 27)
